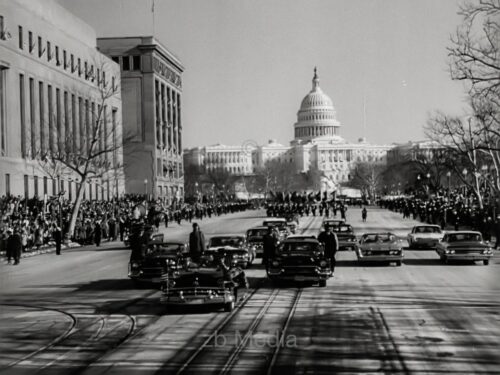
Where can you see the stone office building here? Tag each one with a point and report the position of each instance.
(151, 88)
(51, 80)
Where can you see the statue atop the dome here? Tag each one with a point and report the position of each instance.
(315, 79)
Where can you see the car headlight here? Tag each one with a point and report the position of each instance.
(323, 263)
(275, 263)
(452, 251)
(134, 265)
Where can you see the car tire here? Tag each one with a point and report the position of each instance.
(446, 260)
(322, 283)
(228, 307)
(486, 262)
(398, 263)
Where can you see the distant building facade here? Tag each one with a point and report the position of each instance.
(151, 89)
(51, 79)
(413, 150)
(317, 145)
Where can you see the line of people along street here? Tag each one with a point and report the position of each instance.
(33, 224)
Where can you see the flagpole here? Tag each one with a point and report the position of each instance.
(153, 15)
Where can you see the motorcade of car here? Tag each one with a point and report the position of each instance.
(255, 238)
(380, 247)
(345, 235)
(235, 246)
(300, 260)
(217, 282)
(156, 259)
(424, 236)
(464, 245)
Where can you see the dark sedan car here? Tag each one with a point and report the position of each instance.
(255, 238)
(300, 260)
(464, 245)
(159, 256)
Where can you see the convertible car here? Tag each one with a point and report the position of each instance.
(235, 246)
(210, 282)
(424, 236)
(158, 257)
(300, 260)
(464, 245)
(380, 247)
(255, 238)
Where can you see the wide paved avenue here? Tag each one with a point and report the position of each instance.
(79, 313)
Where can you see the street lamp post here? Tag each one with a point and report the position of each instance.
(448, 175)
(464, 172)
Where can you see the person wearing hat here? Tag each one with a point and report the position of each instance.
(8, 249)
(196, 243)
(497, 232)
(14, 246)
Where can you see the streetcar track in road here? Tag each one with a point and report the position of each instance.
(400, 358)
(250, 332)
(291, 313)
(54, 342)
(215, 332)
(73, 330)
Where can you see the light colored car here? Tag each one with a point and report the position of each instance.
(424, 236)
(380, 247)
(464, 245)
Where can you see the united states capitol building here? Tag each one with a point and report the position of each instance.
(317, 144)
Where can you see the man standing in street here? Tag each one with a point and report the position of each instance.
(15, 245)
(364, 214)
(331, 244)
(269, 246)
(196, 243)
(57, 235)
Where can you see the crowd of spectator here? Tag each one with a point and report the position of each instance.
(37, 223)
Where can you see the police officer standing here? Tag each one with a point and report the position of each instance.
(196, 243)
(15, 245)
(331, 244)
(269, 246)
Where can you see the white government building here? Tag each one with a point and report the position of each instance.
(317, 145)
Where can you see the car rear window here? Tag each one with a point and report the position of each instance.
(464, 237)
(226, 241)
(427, 230)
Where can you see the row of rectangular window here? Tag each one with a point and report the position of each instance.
(56, 137)
(74, 64)
(124, 62)
(55, 185)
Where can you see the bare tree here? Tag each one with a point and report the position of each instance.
(87, 152)
(367, 177)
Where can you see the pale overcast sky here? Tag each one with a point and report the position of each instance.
(249, 63)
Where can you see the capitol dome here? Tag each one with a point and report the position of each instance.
(316, 117)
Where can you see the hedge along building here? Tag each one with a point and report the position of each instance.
(52, 86)
(152, 96)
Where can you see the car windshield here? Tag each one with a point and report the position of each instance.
(342, 228)
(381, 237)
(427, 230)
(292, 247)
(165, 249)
(225, 241)
(256, 232)
(274, 222)
(464, 237)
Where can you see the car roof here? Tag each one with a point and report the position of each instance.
(259, 227)
(463, 232)
(301, 236)
(377, 233)
(427, 225)
(275, 219)
(306, 240)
